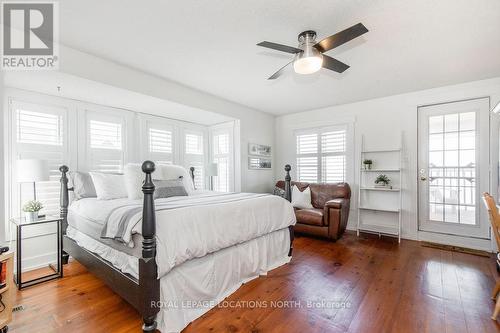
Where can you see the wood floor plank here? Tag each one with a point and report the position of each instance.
(363, 284)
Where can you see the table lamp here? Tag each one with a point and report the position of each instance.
(212, 171)
(32, 171)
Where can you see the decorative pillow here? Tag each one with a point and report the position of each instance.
(83, 186)
(134, 178)
(176, 171)
(301, 200)
(169, 188)
(279, 192)
(109, 186)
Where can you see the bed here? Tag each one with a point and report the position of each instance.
(171, 262)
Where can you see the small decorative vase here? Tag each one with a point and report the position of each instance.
(31, 216)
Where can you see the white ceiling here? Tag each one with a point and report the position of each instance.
(210, 45)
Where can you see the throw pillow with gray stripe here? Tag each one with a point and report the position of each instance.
(169, 188)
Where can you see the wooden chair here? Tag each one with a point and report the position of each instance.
(495, 225)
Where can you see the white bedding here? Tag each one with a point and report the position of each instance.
(184, 233)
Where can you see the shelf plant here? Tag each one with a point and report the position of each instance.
(367, 164)
(382, 181)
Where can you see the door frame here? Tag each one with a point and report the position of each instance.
(457, 238)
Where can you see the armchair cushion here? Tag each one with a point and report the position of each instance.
(311, 216)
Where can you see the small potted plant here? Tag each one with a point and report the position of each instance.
(367, 164)
(31, 209)
(382, 181)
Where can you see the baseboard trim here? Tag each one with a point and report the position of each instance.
(39, 261)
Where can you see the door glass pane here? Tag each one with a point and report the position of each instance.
(452, 168)
(436, 124)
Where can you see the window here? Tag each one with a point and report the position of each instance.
(105, 135)
(38, 128)
(194, 156)
(161, 144)
(105, 142)
(38, 133)
(321, 155)
(221, 145)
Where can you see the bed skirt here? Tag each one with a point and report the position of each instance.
(198, 285)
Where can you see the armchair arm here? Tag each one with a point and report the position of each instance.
(335, 203)
(336, 213)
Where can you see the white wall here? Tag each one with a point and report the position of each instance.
(255, 126)
(381, 121)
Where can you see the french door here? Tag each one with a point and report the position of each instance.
(453, 167)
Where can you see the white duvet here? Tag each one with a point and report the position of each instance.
(194, 226)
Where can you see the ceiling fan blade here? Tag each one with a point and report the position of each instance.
(280, 47)
(279, 72)
(333, 64)
(341, 37)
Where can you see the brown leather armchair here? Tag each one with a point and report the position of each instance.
(329, 216)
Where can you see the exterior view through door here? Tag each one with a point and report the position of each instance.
(453, 167)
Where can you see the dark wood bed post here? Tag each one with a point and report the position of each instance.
(64, 203)
(288, 185)
(64, 197)
(148, 271)
(288, 196)
(191, 173)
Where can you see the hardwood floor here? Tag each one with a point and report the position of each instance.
(357, 285)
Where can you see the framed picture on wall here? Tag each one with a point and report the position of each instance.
(259, 150)
(259, 163)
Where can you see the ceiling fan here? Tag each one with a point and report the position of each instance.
(309, 55)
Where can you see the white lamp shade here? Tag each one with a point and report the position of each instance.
(31, 170)
(212, 169)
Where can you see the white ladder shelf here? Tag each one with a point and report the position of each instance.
(382, 212)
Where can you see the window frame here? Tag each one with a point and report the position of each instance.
(225, 128)
(68, 110)
(348, 151)
(104, 114)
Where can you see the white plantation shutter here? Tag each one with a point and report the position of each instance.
(321, 155)
(40, 133)
(39, 128)
(222, 155)
(161, 145)
(105, 143)
(333, 159)
(194, 156)
(105, 135)
(307, 169)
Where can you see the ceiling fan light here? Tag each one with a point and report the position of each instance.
(310, 59)
(308, 65)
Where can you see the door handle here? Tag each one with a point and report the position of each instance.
(422, 178)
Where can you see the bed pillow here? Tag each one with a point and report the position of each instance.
(279, 191)
(109, 186)
(301, 200)
(176, 171)
(169, 188)
(83, 186)
(134, 179)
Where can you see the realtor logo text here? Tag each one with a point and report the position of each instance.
(30, 34)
